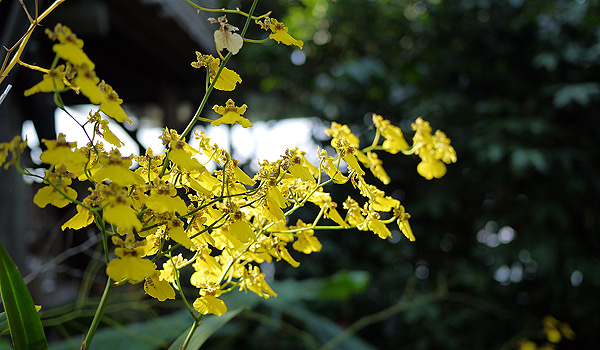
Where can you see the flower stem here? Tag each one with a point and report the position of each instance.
(99, 313)
(223, 63)
(34, 67)
(223, 10)
(190, 334)
(8, 66)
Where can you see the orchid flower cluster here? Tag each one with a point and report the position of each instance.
(171, 213)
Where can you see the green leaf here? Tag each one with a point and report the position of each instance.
(23, 320)
(579, 93)
(160, 332)
(3, 323)
(324, 329)
(344, 284)
(5, 344)
(547, 60)
(156, 333)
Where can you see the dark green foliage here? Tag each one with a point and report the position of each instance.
(514, 84)
(22, 319)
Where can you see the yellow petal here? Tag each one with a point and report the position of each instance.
(210, 182)
(272, 211)
(282, 36)
(242, 177)
(119, 175)
(131, 268)
(528, 345)
(387, 203)
(241, 230)
(151, 243)
(301, 172)
(353, 163)
(227, 80)
(332, 171)
(553, 335)
(48, 195)
(209, 304)
(109, 136)
(158, 289)
(48, 84)
(307, 243)
(62, 154)
(208, 270)
(396, 144)
(179, 235)
(184, 160)
(163, 203)
(406, 229)
(123, 216)
(87, 81)
(232, 118)
(115, 111)
(72, 53)
(285, 255)
(82, 219)
(334, 215)
(379, 228)
(275, 196)
(431, 169)
(195, 185)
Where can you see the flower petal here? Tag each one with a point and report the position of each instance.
(131, 268)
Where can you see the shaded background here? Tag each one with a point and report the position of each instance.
(508, 236)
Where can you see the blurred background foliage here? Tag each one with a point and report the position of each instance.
(508, 236)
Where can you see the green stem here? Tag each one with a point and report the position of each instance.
(196, 117)
(190, 334)
(193, 122)
(249, 18)
(223, 10)
(221, 67)
(99, 312)
(109, 286)
(102, 226)
(257, 41)
(179, 289)
(375, 143)
(321, 212)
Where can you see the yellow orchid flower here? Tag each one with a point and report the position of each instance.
(306, 242)
(226, 81)
(69, 47)
(279, 32)
(394, 139)
(225, 38)
(434, 150)
(129, 265)
(231, 114)
(116, 168)
(52, 81)
(254, 280)
(208, 302)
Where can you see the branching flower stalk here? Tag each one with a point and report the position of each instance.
(8, 63)
(222, 224)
